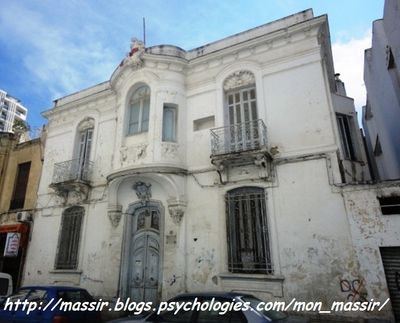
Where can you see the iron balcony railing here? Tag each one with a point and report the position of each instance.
(240, 137)
(72, 170)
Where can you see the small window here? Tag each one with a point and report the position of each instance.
(390, 205)
(37, 296)
(378, 147)
(344, 124)
(68, 243)
(169, 123)
(4, 283)
(368, 111)
(203, 123)
(390, 63)
(20, 186)
(139, 108)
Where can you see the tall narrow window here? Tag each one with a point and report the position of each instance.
(248, 241)
(68, 242)
(241, 112)
(83, 161)
(169, 123)
(139, 108)
(21, 184)
(344, 124)
(242, 106)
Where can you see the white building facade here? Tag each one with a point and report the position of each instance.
(10, 109)
(227, 167)
(382, 80)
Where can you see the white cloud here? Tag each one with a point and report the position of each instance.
(349, 62)
(56, 55)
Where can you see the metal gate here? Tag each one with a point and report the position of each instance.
(391, 264)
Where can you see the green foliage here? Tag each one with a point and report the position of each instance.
(20, 126)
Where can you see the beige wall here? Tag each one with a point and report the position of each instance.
(7, 141)
(30, 151)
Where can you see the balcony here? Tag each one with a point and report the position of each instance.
(72, 170)
(238, 138)
(239, 143)
(72, 176)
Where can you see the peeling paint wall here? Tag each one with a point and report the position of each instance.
(371, 230)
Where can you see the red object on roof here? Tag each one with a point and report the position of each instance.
(134, 50)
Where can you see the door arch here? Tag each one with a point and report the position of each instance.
(141, 275)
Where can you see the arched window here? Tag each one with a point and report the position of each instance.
(139, 107)
(69, 238)
(241, 111)
(240, 92)
(247, 225)
(84, 146)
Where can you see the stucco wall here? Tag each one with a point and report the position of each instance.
(370, 230)
(30, 151)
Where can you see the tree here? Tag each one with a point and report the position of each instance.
(20, 126)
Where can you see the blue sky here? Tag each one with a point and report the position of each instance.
(52, 48)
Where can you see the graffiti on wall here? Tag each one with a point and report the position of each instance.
(355, 289)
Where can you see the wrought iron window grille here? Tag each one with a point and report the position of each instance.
(248, 234)
(68, 244)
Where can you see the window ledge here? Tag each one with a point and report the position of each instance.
(258, 284)
(66, 271)
(257, 277)
(355, 161)
(136, 133)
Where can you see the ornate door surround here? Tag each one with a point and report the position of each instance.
(142, 248)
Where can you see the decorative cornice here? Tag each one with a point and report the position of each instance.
(264, 42)
(134, 60)
(149, 169)
(176, 208)
(143, 191)
(239, 79)
(115, 214)
(79, 103)
(86, 124)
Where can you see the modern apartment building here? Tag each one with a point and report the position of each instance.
(10, 109)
